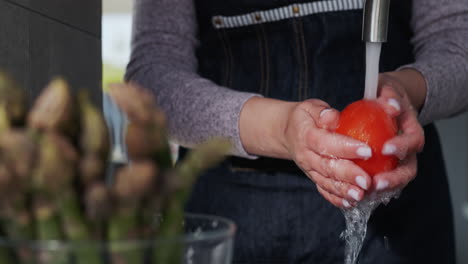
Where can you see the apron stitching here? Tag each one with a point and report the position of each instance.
(231, 60)
(267, 61)
(298, 55)
(239, 169)
(260, 49)
(226, 64)
(305, 64)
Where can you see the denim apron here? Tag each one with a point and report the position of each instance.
(295, 50)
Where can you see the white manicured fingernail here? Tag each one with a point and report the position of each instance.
(324, 111)
(382, 184)
(389, 149)
(361, 181)
(346, 203)
(394, 103)
(354, 194)
(364, 152)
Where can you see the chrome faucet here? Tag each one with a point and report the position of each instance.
(375, 20)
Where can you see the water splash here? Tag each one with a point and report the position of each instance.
(198, 232)
(356, 222)
(372, 69)
(189, 255)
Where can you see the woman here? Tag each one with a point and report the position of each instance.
(269, 75)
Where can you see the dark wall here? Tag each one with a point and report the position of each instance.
(46, 38)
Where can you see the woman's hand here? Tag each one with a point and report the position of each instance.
(402, 94)
(303, 132)
(324, 156)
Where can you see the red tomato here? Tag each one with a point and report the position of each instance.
(366, 121)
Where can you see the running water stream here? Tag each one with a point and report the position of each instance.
(357, 217)
(356, 222)
(372, 69)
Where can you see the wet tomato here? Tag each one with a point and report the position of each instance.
(366, 121)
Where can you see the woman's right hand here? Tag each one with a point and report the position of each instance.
(324, 155)
(304, 132)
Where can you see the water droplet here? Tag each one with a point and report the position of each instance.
(197, 232)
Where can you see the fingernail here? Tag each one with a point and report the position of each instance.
(354, 194)
(324, 111)
(389, 149)
(361, 181)
(382, 184)
(394, 103)
(346, 203)
(364, 152)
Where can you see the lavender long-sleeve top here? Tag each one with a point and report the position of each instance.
(163, 60)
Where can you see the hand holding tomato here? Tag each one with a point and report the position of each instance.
(377, 123)
(394, 97)
(367, 121)
(325, 156)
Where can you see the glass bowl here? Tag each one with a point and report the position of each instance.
(206, 240)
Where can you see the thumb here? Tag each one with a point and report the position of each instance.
(328, 119)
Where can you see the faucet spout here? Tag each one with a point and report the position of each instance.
(375, 20)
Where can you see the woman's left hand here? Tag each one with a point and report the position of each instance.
(396, 98)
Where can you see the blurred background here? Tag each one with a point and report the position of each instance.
(116, 32)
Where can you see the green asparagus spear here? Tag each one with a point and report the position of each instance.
(152, 209)
(145, 139)
(58, 168)
(55, 110)
(185, 174)
(123, 228)
(47, 225)
(181, 182)
(56, 164)
(6, 181)
(17, 152)
(146, 133)
(46, 216)
(148, 141)
(137, 103)
(74, 224)
(94, 141)
(94, 133)
(98, 206)
(17, 222)
(133, 183)
(13, 98)
(5, 256)
(5, 123)
(91, 168)
(76, 228)
(15, 217)
(47, 222)
(18, 149)
(5, 251)
(94, 146)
